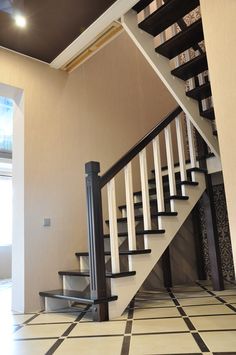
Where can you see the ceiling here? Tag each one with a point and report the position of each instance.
(52, 25)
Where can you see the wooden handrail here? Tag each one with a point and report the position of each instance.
(137, 148)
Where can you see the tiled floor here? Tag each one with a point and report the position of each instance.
(182, 320)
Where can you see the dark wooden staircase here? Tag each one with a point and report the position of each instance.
(170, 13)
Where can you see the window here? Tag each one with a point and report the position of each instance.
(6, 130)
(6, 124)
(5, 211)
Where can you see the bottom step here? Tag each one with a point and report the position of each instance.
(76, 296)
(86, 273)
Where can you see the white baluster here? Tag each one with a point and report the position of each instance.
(130, 207)
(114, 246)
(181, 152)
(158, 179)
(170, 160)
(158, 175)
(192, 151)
(145, 190)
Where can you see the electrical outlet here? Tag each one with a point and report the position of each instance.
(47, 222)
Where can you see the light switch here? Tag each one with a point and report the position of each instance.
(47, 222)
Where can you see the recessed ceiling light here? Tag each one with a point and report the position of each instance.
(20, 21)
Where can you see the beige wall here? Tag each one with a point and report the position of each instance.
(220, 38)
(95, 113)
(5, 262)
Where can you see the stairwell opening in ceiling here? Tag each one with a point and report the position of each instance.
(12, 189)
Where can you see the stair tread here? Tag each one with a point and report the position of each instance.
(141, 5)
(198, 170)
(138, 233)
(152, 191)
(200, 92)
(191, 68)
(152, 202)
(178, 197)
(191, 169)
(121, 252)
(187, 161)
(166, 15)
(140, 218)
(86, 273)
(77, 296)
(215, 133)
(185, 39)
(209, 113)
(188, 183)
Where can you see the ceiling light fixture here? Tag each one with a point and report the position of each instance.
(20, 21)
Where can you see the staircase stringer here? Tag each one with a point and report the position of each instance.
(126, 288)
(176, 87)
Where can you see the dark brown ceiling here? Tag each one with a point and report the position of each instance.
(51, 25)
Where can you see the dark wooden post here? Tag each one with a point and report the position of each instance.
(166, 268)
(211, 221)
(212, 239)
(96, 240)
(198, 242)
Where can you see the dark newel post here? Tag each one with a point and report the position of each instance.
(96, 240)
(211, 221)
(198, 242)
(166, 268)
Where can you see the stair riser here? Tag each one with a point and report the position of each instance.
(74, 283)
(53, 304)
(78, 283)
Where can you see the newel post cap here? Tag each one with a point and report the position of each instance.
(92, 167)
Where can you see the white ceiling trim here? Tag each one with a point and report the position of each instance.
(119, 8)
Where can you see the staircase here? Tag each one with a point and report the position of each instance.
(169, 177)
(176, 52)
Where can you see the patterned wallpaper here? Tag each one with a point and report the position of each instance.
(182, 248)
(223, 232)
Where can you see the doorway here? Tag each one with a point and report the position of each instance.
(12, 194)
(6, 139)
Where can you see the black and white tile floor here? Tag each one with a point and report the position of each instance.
(182, 320)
